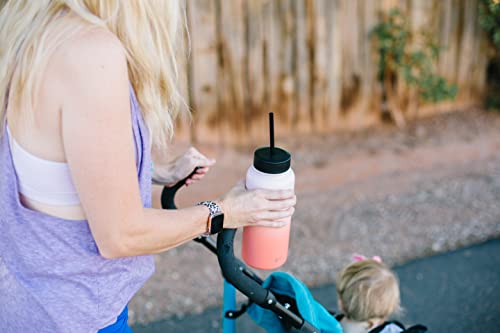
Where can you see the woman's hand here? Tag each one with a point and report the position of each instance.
(171, 173)
(269, 208)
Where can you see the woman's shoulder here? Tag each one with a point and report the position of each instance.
(90, 51)
(88, 75)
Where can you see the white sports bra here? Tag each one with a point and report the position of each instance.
(45, 181)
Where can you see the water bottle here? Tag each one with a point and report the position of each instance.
(266, 247)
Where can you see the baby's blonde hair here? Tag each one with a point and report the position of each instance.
(368, 289)
(148, 31)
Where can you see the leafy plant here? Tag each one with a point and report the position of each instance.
(489, 19)
(408, 57)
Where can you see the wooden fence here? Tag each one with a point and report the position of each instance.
(312, 62)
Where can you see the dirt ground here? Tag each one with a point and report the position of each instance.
(400, 194)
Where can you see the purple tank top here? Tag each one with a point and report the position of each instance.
(52, 277)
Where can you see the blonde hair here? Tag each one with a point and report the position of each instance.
(148, 31)
(368, 289)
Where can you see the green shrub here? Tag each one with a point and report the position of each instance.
(413, 63)
(489, 19)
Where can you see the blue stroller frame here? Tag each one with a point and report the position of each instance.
(238, 276)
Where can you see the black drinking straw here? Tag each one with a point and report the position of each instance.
(271, 131)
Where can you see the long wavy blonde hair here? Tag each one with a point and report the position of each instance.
(147, 29)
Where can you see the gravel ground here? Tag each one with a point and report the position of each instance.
(400, 194)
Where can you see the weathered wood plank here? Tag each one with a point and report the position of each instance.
(230, 93)
(202, 70)
(280, 65)
(254, 65)
(301, 121)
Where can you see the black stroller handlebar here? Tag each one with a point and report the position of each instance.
(247, 282)
(168, 193)
(236, 272)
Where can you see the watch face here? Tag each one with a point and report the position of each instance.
(217, 224)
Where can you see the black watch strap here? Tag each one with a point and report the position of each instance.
(215, 223)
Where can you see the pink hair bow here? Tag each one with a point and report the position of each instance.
(360, 257)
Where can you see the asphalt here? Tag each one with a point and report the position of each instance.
(458, 291)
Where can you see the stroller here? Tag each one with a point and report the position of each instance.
(238, 276)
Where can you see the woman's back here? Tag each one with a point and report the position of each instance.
(52, 275)
(38, 128)
(52, 267)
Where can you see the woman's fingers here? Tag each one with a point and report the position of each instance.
(277, 194)
(275, 215)
(200, 173)
(277, 212)
(281, 204)
(275, 218)
(193, 158)
(197, 176)
(202, 170)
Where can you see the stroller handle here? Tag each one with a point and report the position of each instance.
(235, 271)
(168, 193)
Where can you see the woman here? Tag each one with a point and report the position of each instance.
(89, 92)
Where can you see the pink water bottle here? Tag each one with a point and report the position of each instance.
(265, 247)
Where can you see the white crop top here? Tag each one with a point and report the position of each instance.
(45, 181)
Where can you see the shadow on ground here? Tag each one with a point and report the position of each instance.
(455, 292)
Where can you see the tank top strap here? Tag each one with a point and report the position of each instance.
(142, 140)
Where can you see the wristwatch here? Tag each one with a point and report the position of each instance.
(215, 222)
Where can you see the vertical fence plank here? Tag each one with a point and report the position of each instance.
(181, 124)
(368, 73)
(334, 63)
(448, 38)
(202, 70)
(280, 64)
(351, 77)
(467, 47)
(230, 41)
(301, 121)
(254, 64)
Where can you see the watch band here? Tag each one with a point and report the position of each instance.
(215, 211)
(212, 206)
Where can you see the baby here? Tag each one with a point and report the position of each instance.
(368, 293)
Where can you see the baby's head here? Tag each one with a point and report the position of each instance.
(368, 290)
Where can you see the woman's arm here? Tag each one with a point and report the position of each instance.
(98, 142)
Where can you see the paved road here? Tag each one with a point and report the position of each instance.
(455, 292)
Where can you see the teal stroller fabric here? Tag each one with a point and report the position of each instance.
(309, 309)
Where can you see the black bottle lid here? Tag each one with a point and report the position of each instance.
(273, 161)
